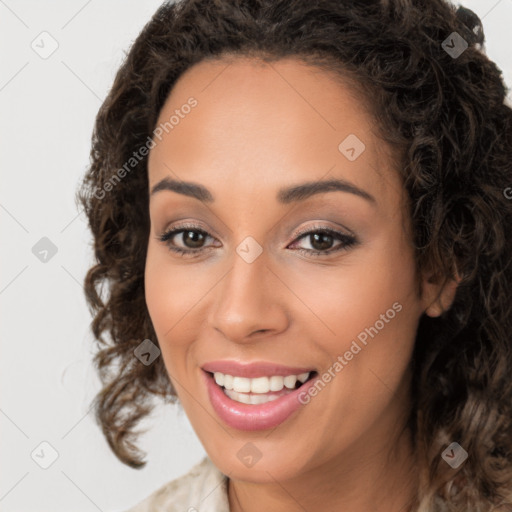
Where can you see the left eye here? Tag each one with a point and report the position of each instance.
(320, 239)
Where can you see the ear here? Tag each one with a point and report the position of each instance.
(438, 293)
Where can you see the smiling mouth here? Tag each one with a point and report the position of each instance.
(260, 390)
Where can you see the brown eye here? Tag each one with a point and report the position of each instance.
(192, 239)
(185, 240)
(321, 241)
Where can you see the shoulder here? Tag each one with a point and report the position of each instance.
(203, 488)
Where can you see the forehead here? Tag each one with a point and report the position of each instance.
(267, 124)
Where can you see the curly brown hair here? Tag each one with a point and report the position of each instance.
(449, 126)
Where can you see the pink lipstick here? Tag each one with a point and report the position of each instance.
(267, 402)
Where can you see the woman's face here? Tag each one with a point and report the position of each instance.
(255, 291)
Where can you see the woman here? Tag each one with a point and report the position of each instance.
(299, 213)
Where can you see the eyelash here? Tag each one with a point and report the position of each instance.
(347, 240)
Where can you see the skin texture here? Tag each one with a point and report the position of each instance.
(257, 128)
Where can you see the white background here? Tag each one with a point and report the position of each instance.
(48, 108)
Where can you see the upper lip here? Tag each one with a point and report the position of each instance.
(254, 369)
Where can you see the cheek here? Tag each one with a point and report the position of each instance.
(345, 299)
(375, 318)
(171, 289)
(174, 293)
(168, 297)
(157, 289)
(385, 274)
(367, 309)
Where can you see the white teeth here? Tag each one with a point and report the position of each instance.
(276, 383)
(260, 384)
(303, 377)
(241, 384)
(228, 381)
(250, 399)
(290, 380)
(239, 397)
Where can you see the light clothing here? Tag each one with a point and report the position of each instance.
(202, 489)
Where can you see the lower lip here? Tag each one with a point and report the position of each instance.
(254, 417)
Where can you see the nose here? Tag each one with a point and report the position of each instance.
(249, 302)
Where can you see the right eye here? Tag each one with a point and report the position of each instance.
(192, 239)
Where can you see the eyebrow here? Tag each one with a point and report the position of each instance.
(286, 195)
